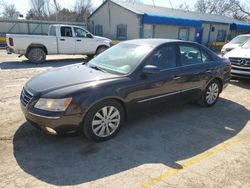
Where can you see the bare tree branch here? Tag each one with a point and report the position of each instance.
(10, 11)
(231, 8)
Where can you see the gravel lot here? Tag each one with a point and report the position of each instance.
(163, 146)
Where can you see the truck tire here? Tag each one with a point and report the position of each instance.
(100, 50)
(36, 55)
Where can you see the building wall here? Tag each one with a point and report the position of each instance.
(172, 32)
(213, 35)
(110, 15)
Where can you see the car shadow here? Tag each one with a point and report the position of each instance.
(157, 134)
(25, 64)
(241, 82)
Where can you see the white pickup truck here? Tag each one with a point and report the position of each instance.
(61, 39)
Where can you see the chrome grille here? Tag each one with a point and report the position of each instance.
(240, 62)
(26, 97)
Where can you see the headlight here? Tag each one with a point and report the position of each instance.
(55, 105)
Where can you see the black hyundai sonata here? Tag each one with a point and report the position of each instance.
(95, 98)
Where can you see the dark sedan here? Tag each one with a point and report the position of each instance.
(95, 98)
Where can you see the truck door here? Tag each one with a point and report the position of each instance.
(85, 44)
(66, 41)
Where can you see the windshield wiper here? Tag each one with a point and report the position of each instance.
(96, 68)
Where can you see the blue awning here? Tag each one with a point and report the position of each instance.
(239, 26)
(165, 20)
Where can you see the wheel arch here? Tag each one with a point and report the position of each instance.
(219, 80)
(34, 45)
(117, 99)
(101, 46)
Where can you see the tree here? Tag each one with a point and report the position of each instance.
(184, 6)
(40, 9)
(83, 8)
(231, 8)
(10, 11)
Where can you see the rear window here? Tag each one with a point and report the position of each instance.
(52, 31)
(191, 55)
(66, 32)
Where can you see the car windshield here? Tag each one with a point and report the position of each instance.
(239, 40)
(121, 59)
(246, 45)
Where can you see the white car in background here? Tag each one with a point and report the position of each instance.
(234, 43)
(240, 60)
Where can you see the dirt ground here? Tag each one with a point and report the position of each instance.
(181, 146)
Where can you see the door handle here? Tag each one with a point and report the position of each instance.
(176, 77)
(62, 39)
(78, 40)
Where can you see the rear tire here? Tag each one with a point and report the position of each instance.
(104, 120)
(36, 55)
(211, 94)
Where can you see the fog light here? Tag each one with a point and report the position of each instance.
(50, 130)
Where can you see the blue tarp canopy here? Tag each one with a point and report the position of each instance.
(166, 20)
(239, 26)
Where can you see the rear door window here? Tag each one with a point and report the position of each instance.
(66, 32)
(192, 55)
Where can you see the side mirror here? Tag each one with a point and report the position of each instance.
(89, 35)
(151, 69)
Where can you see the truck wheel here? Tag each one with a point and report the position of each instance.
(90, 56)
(100, 50)
(36, 55)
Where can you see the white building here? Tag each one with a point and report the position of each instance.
(121, 20)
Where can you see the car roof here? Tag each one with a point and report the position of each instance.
(154, 42)
(248, 35)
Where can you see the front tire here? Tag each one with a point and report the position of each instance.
(100, 50)
(36, 55)
(211, 94)
(104, 120)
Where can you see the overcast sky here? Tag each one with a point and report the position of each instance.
(24, 5)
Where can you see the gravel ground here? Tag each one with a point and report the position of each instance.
(177, 146)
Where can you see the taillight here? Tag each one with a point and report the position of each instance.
(229, 66)
(11, 42)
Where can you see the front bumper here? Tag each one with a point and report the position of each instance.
(51, 123)
(240, 73)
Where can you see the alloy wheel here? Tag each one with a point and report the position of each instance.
(212, 93)
(106, 121)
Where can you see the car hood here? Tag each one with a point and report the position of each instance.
(102, 38)
(66, 77)
(238, 53)
(229, 45)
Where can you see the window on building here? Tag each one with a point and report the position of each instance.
(148, 31)
(121, 32)
(99, 30)
(183, 34)
(66, 32)
(221, 35)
